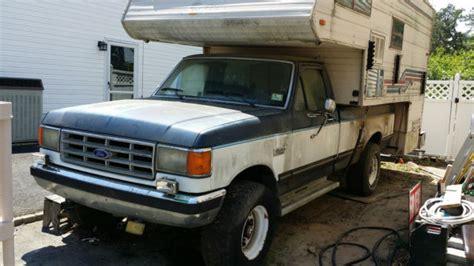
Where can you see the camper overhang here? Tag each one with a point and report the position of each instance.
(231, 23)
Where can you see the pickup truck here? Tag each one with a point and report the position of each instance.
(227, 143)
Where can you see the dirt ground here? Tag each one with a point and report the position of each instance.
(306, 231)
(300, 235)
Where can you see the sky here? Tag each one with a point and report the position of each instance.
(465, 4)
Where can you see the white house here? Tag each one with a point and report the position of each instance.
(58, 42)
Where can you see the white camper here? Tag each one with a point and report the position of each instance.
(337, 33)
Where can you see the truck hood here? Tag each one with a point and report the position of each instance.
(170, 122)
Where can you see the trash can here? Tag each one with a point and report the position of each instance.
(26, 96)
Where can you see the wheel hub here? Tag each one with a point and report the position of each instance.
(373, 170)
(254, 232)
(249, 228)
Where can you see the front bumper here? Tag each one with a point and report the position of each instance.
(124, 199)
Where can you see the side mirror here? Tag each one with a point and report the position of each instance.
(330, 106)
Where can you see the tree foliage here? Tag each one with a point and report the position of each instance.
(445, 34)
(452, 51)
(443, 65)
(469, 18)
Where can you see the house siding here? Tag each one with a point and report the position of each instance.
(56, 41)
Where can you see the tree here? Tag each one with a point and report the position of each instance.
(469, 19)
(445, 34)
(443, 66)
(470, 42)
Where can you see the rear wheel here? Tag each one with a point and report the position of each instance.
(243, 229)
(364, 175)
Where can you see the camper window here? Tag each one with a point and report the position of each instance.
(362, 6)
(397, 34)
(379, 48)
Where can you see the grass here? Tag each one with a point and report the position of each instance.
(403, 167)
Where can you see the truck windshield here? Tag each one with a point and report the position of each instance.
(253, 82)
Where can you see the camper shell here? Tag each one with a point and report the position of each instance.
(375, 52)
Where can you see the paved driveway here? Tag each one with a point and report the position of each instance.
(27, 195)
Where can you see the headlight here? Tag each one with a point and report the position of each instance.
(48, 138)
(194, 163)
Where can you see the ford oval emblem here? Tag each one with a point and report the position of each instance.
(101, 153)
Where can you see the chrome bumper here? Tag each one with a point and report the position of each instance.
(124, 199)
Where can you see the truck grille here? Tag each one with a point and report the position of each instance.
(115, 155)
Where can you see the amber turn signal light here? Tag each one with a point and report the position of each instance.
(40, 136)
(199, 163)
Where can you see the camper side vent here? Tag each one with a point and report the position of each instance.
(374, 83)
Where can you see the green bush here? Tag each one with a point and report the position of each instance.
(443, 65)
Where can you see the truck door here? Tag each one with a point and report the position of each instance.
(314, 142)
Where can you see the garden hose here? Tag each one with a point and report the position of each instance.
(368, 253)
(432, 213)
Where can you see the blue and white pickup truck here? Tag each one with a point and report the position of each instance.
(249, 130)
(227, 143)
(289, 100)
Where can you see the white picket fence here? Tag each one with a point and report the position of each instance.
(6, 208)
(449, 105)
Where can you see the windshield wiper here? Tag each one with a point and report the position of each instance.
(180, 96)
(229, 95)
(241, 98)
(171, 89)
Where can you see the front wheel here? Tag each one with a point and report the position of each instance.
(364, 175)
(243, 229)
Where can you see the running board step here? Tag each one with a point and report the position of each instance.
(456, 242)
(294, 199)
(455, 252)
(456, 256)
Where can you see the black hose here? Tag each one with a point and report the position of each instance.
(379, 242)
(368, 253)
(361, 131)
(366, 256)
(393, 253)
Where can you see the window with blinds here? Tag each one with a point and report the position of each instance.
(362, 6)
